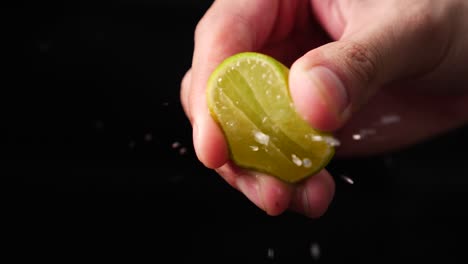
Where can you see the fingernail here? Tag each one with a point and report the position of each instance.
(331, 88)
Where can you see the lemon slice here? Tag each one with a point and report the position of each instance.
(249, 98)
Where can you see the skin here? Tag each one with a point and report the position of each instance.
(386, 58)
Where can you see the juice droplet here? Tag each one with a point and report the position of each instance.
(182, 151)
(254, 148)
(332, 141)
(271, 253)
(347, 179)
(315, 251)
(316, 138)
(261, 138)
(307, 163)
(296, 160)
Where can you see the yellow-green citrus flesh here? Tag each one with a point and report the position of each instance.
(248, 96)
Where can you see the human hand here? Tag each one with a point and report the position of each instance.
(380, 74)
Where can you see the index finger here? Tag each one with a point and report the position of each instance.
(228, 27)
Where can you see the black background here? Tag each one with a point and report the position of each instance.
(90, 112)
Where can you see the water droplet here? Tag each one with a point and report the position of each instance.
(175, 145)
(315, 251)
(264, 119)
(269, 82)
(254, 148)
(332, 141)
(268, 92)
(363, 133)
(182, 151)
(231, 123)
(261, 138)
(148, 137)
(296, 160)
(278, 97)
(237, 102)
(271, 253)
(224, 107)
(131, 144)
(248, 61)
(316, 138)
(307, 163)
(220, 80)
(389, 119)
(238, 64)
(263, 76)
(347, 179)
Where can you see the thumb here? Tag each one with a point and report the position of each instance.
(331, 82)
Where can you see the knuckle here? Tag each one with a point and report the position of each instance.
(430, 25)
(362, 61)
(427, 22)
(423, 24)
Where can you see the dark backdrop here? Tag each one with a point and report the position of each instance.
(92, 126)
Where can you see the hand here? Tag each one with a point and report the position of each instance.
(394, 71)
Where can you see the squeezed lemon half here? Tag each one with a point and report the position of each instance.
(248, 96)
